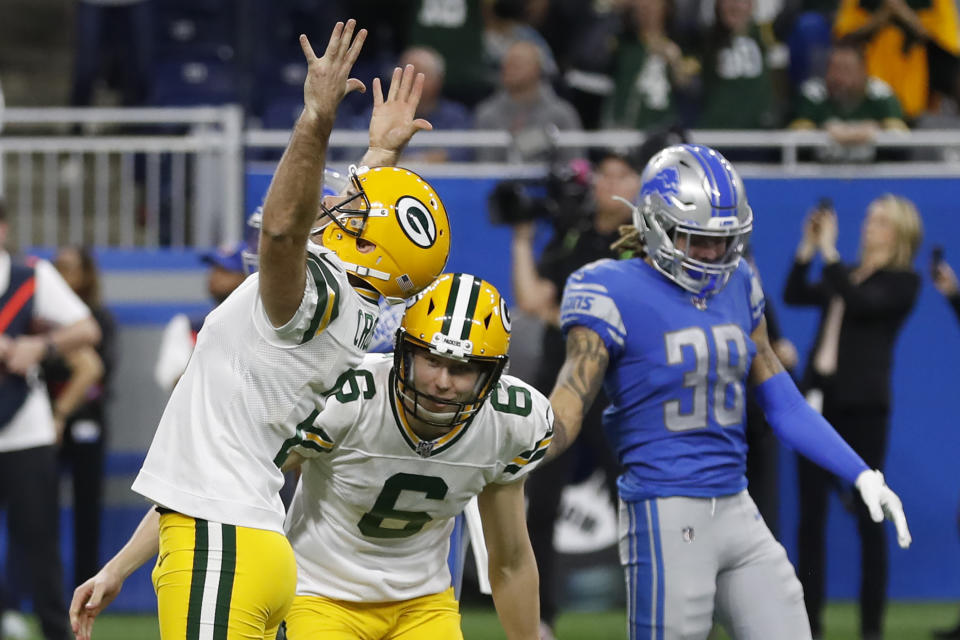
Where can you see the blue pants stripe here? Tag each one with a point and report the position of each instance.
(658, 556)
(645, 589)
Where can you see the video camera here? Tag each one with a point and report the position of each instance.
(561, 197)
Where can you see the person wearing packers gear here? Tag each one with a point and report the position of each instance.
(468, 304)
(264, 357)
(398, 449)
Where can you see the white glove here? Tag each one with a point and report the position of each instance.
(881, 501)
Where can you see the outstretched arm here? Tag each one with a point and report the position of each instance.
(93, 596)
(578, 384)
(393, 122)
(806, 432)
(293, 199)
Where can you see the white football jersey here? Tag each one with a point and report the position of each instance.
(372, 516)
(249, 389)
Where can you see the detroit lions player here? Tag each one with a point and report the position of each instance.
(674, 336)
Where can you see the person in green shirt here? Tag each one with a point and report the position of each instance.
(454, 28)
(648, 66)
(738, 89)
(850, 105)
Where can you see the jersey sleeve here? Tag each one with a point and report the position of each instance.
(528, 419)
(334, 415)
(588, 302)
(321, 300)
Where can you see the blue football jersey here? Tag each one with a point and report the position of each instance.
(676, 377)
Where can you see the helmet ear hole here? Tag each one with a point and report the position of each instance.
(486, 321)
(431, 307)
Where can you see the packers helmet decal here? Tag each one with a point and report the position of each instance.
(455, 318)
(505, 315)
(416, 221)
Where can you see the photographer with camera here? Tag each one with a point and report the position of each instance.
(586, 218)
(848, 378)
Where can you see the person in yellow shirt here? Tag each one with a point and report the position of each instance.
(897, 34)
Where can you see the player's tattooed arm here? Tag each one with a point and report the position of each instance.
(577, 386)
(766, 364)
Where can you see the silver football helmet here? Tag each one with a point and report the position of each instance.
(691, 196)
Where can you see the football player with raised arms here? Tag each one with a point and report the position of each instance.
(401, 445)
(675, 335)
(264, 356)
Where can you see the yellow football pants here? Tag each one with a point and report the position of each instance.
(433, 617)
(221, 582)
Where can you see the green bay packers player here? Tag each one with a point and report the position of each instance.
(400, 446)
(282, 339)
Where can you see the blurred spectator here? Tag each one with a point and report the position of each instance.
(113, 43)
(441, 112)
(454, 29)
(180, 335)
(863, 307)
(537, 288)
(849, 104)
(898, 36)
(945, 280)
(648, 66)
(34, 294)
(806, 27)
(738, 89)
(79, 388)
(527, 107)
(506, 24)
(583, 38)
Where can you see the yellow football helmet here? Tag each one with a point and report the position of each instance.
(460, 317)
(402, 215)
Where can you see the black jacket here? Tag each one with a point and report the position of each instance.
(955, 303)
(873, 314)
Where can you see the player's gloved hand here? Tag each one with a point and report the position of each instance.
(882, 502)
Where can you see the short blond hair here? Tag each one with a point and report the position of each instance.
(909, 229)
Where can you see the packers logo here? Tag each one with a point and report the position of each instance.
(505, 315)
(416, 221)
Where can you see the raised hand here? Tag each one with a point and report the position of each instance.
(394, 120)
(945, 280)
(328, 78)
(829, 229)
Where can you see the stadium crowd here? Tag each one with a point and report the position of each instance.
(850, 67)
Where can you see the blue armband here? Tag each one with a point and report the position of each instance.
(804, 430)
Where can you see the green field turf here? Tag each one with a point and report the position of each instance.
(905, 621)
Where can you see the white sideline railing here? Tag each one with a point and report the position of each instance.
(109, 189)
(177, 177)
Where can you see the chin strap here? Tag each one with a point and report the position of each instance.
(365, 271)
